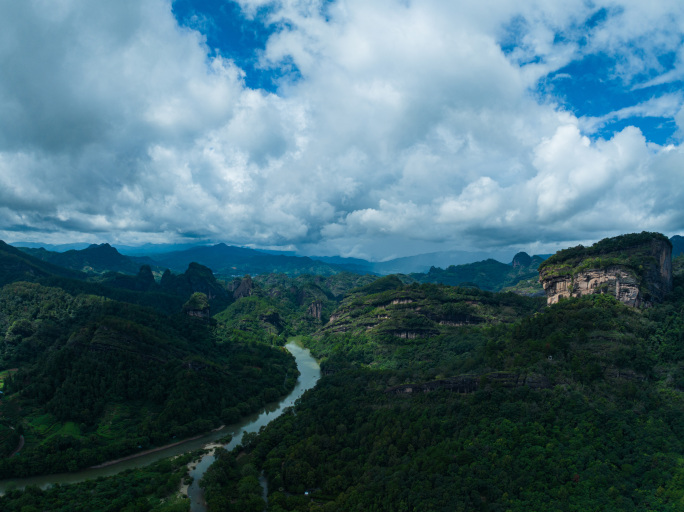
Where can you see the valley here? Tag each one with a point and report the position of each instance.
(470, 388)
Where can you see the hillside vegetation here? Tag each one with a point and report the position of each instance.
(577, 407)
(93, 371)
(520, 276)
(433, 398)
(95, 259)
(632, 251)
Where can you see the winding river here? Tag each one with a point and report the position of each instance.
(309, 374)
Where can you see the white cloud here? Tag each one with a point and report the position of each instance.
(407, 130)
(665, 106)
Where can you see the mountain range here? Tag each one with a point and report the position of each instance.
(232, 260)
(433, 397)
(449, 267)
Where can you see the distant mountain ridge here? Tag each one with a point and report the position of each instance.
(233, 260)
(520, 275)
(230, 260)
(141, 288)
(15, 265)
(95, 259)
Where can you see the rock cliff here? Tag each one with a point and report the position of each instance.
(636, 269)
(315, 309)
(245, 289)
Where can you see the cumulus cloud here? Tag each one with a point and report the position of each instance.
(396, 127)
(665, 106)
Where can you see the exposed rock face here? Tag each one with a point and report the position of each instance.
(245, 289)
(315, 309)
(616, 281)
(636, 284)
(199, 313)
(408, 335)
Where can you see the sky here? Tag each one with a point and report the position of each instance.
(341, 127)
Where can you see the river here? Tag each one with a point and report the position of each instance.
(309, 374)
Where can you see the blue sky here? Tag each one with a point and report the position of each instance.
(231, 34)
(369, 129)
(588, 88)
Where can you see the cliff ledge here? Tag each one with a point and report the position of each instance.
(635, 268)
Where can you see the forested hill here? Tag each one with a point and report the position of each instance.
(95, 370)
(95, 259)
(17, 266)
(576, 407)
(167, 295)
(95, 379)
(520, 275)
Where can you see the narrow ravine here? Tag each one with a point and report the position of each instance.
(309, 375)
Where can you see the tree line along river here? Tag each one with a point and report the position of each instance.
(309, 374)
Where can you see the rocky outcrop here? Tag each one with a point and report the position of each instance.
(146, 278)
(402, 301)
(409, 335)
(197, 306)
(315, 309)
(616, 280)
(197, 278)
(246, 288)
(638, 275)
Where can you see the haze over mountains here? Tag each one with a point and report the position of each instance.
(233, 260)
(105, 264)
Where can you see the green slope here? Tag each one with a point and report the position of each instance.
(490, 275)
(99, 378)
(18, 266)
(95, 259)
(579, 407)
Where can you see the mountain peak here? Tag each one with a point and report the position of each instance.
(105, 248)
(522, 259)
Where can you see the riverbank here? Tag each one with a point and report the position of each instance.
(309, 375)
(192, 466)
(154, 450)
(146, 452)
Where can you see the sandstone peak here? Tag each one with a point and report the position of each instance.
(635, 268)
